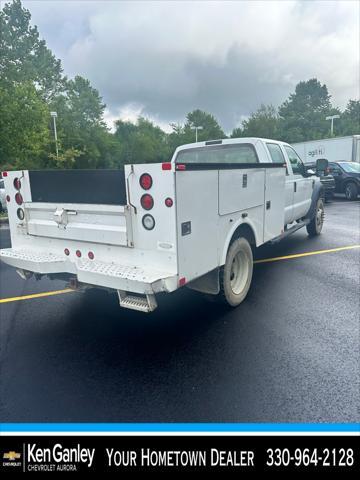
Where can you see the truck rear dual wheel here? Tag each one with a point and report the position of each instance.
(236, 274)
(315, 226)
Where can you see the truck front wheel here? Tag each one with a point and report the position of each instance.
(236, 274)
(316, 224)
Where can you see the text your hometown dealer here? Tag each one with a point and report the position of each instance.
(59, 454)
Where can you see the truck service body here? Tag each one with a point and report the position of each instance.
(155, 227)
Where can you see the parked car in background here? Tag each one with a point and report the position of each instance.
(2, 196)
(326, 179)
(347, 178)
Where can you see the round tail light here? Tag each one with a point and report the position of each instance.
(145, 181)
(67, 251)
(169, 202)
(17, 183)
(18, 198)
(148, 222)
(78, 253)
(147, 201)
(20, 213)
(91, 255)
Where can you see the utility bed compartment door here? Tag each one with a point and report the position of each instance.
(274, 212)
(107, 224)
(240, 189)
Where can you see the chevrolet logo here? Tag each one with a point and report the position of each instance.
(11, 456)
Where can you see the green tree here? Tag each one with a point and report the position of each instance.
(349, 123)
(142, 142)
(183, 134)
(303, 113)
(24, 133)
(24, 57)
(263, 123)
(81, 127)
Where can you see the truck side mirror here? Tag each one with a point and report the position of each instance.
(321, 164)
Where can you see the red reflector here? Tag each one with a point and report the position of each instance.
(147, 202)
(67, 251)
(18, 198)
(182, 281)
(166, 166)
(4, 174)
(8, 198)
(180, 166)
(91, 255)
(17, 184)
(169, 202)
(78, 253)
(145, 181)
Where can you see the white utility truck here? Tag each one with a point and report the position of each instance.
(153, 228)
(337, 149)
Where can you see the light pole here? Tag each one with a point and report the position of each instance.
(331, 117)
(196, 130)
(54, 115)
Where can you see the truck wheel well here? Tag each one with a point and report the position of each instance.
(244, 230)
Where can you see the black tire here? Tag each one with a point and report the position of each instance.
(351, 191)
(315, 226)
(236, 274)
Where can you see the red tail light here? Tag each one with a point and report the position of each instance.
(18, 198)
(67, 251)
(147, 202)
(146, 181)
(166, 166)
(78, 253)
(91, 255)
(180, 166)
(17, 183)
(4, 174)
(169, 202)
(182, 281)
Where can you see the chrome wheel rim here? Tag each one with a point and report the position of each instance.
(239, 273)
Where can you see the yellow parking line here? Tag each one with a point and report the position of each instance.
(307, 254)
(35, 295)
(265, 260)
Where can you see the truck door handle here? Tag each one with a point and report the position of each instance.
(294, 186)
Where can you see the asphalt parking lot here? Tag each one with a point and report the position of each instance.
(289, 353)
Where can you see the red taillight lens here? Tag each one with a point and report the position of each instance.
(4, 174)
(91, 255)
(8, 198)
(180, 166)
(18, 198)
(147, 202)
(17, 183)
(67, 251)
(146, 181)
(78, 253)
(166, 166)
(169, 202)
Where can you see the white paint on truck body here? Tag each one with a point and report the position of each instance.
(190, 238)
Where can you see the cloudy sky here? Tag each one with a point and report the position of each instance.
(162, 59)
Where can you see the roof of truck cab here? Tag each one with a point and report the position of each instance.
(228, 141)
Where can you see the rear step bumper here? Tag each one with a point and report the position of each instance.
(134, 278)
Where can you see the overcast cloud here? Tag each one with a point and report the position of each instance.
(163, 59)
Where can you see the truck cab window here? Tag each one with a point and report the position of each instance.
(237, 153)
(296, 162)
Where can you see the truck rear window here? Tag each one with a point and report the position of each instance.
(237, 153)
